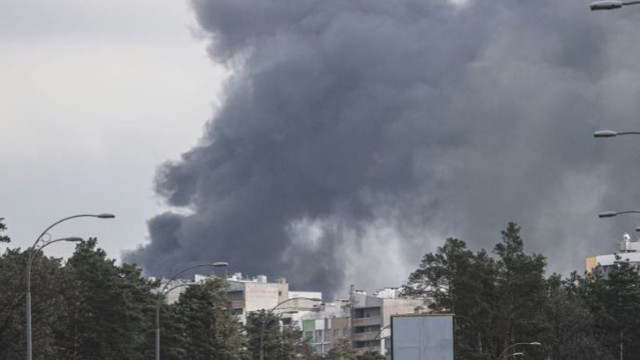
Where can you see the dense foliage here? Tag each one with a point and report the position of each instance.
(91, 308)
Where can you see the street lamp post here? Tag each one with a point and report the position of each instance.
(164, 291)
(383, 347)
(39, 246)
(269, 312)
(610, 4)
(504, 352)
(264, 326)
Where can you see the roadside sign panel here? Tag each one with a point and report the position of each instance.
(422, 337)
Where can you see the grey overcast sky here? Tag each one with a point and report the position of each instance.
(351, 137)
(94, 95)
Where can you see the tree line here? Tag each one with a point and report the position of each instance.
(505, 298)
(91, 308)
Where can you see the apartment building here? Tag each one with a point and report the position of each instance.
(371, 315)
(362, 319)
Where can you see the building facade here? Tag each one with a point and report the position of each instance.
(362, 319)
(628, 252)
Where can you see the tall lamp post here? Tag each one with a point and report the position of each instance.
(504, 352)
(164, 291)
(610, 4)
(40, 244)
(269, 312)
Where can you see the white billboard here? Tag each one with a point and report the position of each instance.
(422, 337)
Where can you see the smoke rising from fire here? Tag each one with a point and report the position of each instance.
(356, 135)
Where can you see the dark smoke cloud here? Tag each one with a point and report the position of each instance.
(356, 135)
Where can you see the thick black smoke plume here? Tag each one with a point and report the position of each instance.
(357, 134)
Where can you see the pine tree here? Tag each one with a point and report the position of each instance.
(520, 290)
(211, 330)
(3, 227)
(263, 327)
(456, 280)
(109, 310)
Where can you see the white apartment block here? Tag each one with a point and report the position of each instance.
(628, 252)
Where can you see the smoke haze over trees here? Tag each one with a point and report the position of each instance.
(353, 132)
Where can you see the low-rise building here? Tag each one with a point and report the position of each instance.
(628, 252)
(249, 294)
(371, 315)
(362, 319)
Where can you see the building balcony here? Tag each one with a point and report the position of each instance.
(237, 304)
(366, 336)
(366, 321)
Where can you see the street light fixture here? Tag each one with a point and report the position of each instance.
(611, 133)
(534, 343)
(269, 312)
(610, 4)
(39, 244)
(608, 214)
(164, 291)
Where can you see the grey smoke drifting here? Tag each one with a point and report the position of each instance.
(356, 135)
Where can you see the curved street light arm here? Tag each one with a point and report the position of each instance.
(100, 216)
(175, 276)
(610, 4)
(611, 133)
(44, 245)
(295, 298)
(628, 212)
(166, 292)
(178, 286)
(269, 312)
(380, 332)
(534, 343)
(607, 214)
